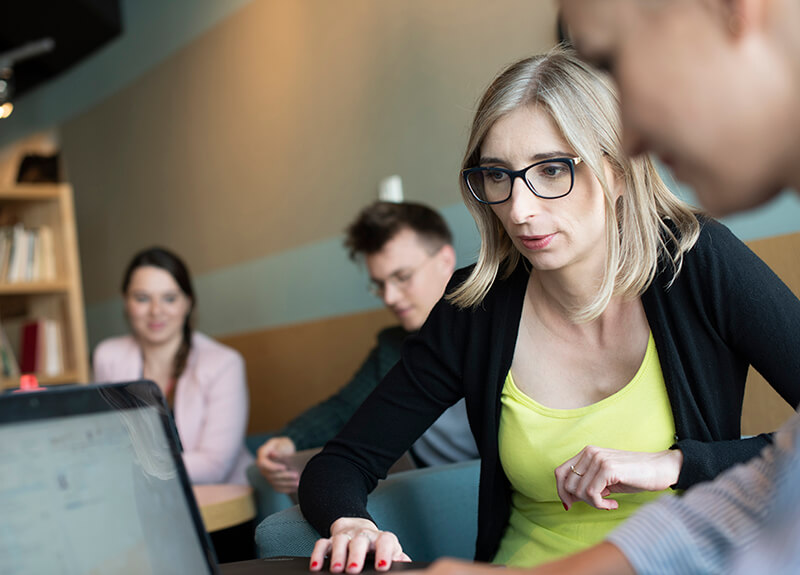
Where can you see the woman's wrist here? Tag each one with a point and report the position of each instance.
(351, 523)
(675, 463)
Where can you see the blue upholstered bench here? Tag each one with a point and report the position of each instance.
(433, 511)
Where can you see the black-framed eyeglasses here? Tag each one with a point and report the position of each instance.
(549, 179)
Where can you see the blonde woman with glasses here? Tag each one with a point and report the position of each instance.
(601, 341)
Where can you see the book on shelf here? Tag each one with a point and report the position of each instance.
(29, 349)
(46, 254)
(19, 254)
(5, 251)
(41, 347)
(9, 367)
(28, 272)
(53, 351)
(27, 254)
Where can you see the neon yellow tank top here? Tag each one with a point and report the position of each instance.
(534, 440)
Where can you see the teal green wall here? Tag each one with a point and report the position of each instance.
(778, 217)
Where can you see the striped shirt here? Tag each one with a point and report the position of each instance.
(746, 521)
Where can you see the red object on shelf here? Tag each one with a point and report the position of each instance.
(28, 382)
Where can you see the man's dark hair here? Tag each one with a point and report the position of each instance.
(381, 221)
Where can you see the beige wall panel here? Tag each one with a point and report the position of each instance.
(765, 410)
(290, 369)
(272, 129)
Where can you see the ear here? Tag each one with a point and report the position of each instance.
(447, 256)
(615, 180)
(620, 186)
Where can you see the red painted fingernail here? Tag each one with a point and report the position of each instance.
(337, 565)
(565, 506)
(382, 563)
(314, 564)
(353, 565)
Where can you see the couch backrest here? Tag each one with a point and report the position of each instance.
(433, 511)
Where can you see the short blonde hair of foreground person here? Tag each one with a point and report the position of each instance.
(584, 105)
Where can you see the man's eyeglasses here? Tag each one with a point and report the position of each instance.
(401, 279)
(548, 179)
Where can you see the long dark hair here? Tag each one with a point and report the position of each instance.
(166, 260)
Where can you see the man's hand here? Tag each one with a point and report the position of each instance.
(268, 460)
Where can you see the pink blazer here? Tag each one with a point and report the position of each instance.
(211, 404)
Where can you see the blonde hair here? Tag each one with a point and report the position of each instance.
(584, 106)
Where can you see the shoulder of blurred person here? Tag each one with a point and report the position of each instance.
(210, 350)
(117, 359)
(208, 358)
(212, 407)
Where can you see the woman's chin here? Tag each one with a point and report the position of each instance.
(153, 339)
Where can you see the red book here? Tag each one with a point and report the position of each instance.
(29, 350)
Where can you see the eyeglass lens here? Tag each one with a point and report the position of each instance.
(550, 179)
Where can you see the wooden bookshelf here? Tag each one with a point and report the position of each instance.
(23, 288)
(59, 298)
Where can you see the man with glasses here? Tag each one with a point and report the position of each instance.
(407, 249)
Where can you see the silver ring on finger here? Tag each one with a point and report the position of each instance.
(575, 471)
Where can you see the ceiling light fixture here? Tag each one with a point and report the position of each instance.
(7, 62)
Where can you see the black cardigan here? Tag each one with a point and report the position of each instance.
(725, 310)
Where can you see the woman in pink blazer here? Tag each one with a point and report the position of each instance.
(204, 381)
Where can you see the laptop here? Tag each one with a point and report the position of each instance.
(92, 482)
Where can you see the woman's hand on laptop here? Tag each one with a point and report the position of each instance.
(268, 460)
(350, 541)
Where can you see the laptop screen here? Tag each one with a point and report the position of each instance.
(91, 481)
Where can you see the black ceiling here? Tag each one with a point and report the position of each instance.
(79, 27)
